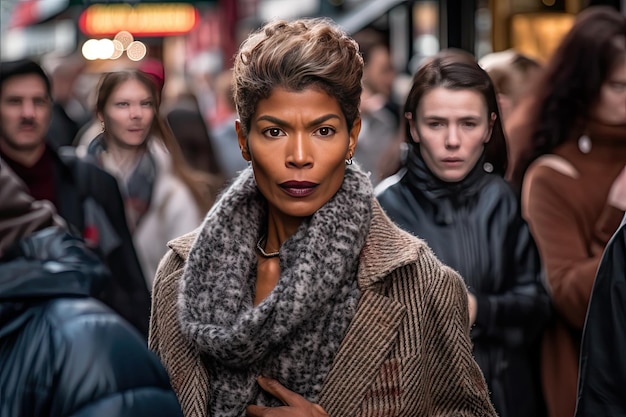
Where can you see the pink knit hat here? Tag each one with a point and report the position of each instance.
(154, 68)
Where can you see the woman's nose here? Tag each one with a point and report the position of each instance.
(135, 112)
(452, 138)
(299, 153)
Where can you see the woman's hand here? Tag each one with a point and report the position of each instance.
(295, 405)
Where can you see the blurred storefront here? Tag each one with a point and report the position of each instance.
(421, 28)
(535, 27)
(201, 36)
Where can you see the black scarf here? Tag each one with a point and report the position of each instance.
(445, 196)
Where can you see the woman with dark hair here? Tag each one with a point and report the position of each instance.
(297, 296)
(164, 197)
(451, 194)
(574, 191)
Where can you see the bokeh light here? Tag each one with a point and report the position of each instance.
(136, 51)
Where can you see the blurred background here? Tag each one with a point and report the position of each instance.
(194, 41)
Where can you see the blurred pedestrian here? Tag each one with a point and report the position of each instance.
(377, 152)
(190, 129)
(574, 191)
(62, 353)
(223, 132)
(451, 194)
(512, 73)
(602, 376)
(298, 296)
(164, 198)
(69, 114)
(86, 197)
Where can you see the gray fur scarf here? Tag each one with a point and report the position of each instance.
(294, 334)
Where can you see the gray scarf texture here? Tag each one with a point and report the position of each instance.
(294, 334)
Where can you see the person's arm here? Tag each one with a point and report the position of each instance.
(458, 388)
(517, 315)
(570, 267)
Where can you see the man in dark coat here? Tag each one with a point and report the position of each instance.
(602, 376)
(63, 353)
(85, 196)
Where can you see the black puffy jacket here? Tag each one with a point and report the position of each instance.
(63, 353)
(475, 226)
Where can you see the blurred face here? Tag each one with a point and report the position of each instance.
(378, 74)
(611, 105)
(128, 114)
(298, 143)
(25, 112)
(452, 127)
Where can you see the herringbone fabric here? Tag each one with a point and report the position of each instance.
(407, 351)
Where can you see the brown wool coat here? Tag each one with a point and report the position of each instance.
(407, 351)
(564, 200)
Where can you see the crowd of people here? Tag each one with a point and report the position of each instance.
(315, 245)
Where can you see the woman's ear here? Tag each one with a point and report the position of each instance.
(412, 127)
(492, 121)
(354, 137)
(242, 138)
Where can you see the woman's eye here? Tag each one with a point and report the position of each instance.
(122, 104)
(435, 124)
(325, 131)
(469, 124)
(147, 104)
(617, 86)
(273, 132)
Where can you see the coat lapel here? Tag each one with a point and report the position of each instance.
(370, 337)
(374, 329)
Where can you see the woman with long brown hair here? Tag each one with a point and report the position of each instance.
(164, 197)
(568, 144)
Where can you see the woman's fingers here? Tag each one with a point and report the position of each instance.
(275, 388)
(295, 405)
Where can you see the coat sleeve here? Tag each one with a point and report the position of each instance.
(569, 263)
(602, 376)
(519, 314)
(460, 389)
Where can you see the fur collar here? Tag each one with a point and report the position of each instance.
(387, 248)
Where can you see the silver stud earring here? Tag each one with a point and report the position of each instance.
(102, 125)
(584, 144)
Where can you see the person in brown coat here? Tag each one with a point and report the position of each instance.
(574, 191)
(297, 295)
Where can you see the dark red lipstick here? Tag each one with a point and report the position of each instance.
(298, 188)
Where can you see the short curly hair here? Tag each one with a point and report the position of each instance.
(297, 55)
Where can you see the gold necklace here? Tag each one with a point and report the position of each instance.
(262, 251)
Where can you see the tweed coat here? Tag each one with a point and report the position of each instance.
(407, 351)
